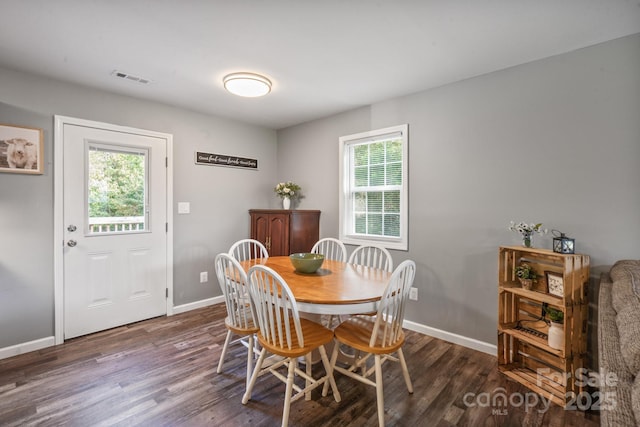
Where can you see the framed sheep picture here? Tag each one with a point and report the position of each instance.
(21, 150)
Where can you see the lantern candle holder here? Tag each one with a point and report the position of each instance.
(563, 244)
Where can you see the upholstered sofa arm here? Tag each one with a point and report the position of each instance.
(616, 389)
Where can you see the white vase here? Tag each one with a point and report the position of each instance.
(286, 203)
(556, 335)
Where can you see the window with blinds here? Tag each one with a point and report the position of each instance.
(373, 179)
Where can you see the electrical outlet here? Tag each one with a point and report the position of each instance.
(204, 277)
(413, 294)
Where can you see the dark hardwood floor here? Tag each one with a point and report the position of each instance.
(162, 372)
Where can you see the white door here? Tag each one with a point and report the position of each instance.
(115, 228)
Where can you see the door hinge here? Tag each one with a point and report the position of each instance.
(166, 227)
(166, 294)
(166, 162)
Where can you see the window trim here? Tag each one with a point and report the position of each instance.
(344, 198)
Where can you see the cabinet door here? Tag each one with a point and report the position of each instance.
(260, 228)
(304, 230)
(279, 234)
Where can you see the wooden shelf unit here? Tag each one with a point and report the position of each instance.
(523, 352)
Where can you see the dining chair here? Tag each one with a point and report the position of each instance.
(246, 249)
(380, 336)
(284, 333)
(331, 249)
(372, 256)
(240, 317)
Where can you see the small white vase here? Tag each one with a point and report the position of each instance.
(286, 203)
(556, 335)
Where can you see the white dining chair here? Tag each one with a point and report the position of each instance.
(240, 317)
(331, 249)
(372, 256)
(246, 249)
(369, 256)
(284, 333)
(380, 336)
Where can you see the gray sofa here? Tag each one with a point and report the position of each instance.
(619, 344)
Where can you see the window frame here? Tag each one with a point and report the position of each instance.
(346, 205)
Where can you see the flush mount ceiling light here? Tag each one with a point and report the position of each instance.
(247, 84)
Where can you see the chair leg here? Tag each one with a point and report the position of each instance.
(328, 367)
(250, 357)
(293, 361)
(308, 367)
(332, 364)
(405, 371)
(224, 351)
(254, 377)
(379, 390)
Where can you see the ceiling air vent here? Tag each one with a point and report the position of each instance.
(131, 77)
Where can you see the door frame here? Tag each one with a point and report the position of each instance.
(58, 211)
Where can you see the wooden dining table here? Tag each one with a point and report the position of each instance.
(335, 288)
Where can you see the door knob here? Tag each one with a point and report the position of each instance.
(71, 243)
(72, 228)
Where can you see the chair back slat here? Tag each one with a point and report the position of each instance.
(331, 248)
(275, 307)
(387, 329)
(234, 285)
(246, 249)
(372, 256)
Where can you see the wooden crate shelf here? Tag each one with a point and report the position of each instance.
(523, 351)
(573, 267)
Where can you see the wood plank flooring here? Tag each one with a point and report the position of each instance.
(162, 372)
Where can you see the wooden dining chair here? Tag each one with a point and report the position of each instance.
(284, 333)
(331, 249)
(380, 336)
(240, 317)
(246, 249)
(372, 256)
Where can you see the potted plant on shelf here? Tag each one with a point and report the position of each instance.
(526, 275)
(556, 328)
(526, 231)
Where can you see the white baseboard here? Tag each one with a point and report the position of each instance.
(197, 304)
(471, 343)
(26, 347)
(413, 326)
(452, 338)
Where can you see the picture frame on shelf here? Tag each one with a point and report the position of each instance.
(555, 283)
(21, 149)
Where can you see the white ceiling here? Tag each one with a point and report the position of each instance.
(323, 56)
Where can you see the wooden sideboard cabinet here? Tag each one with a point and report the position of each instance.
(285, 232)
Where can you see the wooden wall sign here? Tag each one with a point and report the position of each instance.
(211, 159)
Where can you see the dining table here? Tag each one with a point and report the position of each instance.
(336, 288)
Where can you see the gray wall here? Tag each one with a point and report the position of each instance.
(555, 141)
(565, 131)
(220, 197)
(26, 240)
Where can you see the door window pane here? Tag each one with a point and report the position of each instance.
(116, 189)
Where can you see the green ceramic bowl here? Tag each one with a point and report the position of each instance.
(306, 262)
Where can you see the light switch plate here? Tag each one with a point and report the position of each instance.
(184, 207)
